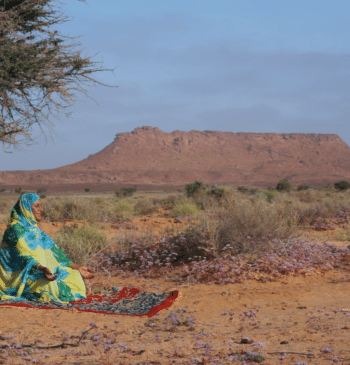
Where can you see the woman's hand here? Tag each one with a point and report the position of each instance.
(46, 271)
(85, 272)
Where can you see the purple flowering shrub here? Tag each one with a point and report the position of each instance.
(169, 251)
(193, 260)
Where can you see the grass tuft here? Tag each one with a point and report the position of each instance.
(80, 244)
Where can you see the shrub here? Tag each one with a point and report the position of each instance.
(303, 187)
(80, 244)
(270, 194)
(342, 185)
(41, 190)
(217, 191)
(284, 185)
(145, 206)
(248, 226)
(307, 196)
(194, 188)
(126, 191)
(56, 210)
(123, 209)
(242, 189)
(185, 208)
(140, 255)
(18, 190)
(221, 192)
(87, 190)
(2, 190)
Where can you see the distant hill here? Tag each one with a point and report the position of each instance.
(150, 156)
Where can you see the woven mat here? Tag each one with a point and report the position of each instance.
(125, 301)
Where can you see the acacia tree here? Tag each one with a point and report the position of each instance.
(38, 69)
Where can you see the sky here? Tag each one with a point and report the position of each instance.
(226, 65)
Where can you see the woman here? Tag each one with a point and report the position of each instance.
(32, 267)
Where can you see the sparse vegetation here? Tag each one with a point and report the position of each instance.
(194, 188)
(126, 191)
(242, 189)
(80, 244)
(342, 185)
(236, 237)
(284, 185)
(186, 208)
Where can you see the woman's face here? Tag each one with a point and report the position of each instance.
(37, 209)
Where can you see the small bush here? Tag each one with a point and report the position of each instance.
(185, 208)
(303, 187)
(87, 190)
(242, 189)
(248, 226)
(2, 190)
(342, 185)
(187, 247)
(145, 207)
(18, 190)
(284, 185)
(270, 194)
(307, 196)
(80, 244)
(58, 210)
(126, 191)
(194, 188)
(41, 190)
(123, 209)
(221, 192)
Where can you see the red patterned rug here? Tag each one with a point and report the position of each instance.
(127, 301)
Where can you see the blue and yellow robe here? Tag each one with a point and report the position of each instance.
(24, 247)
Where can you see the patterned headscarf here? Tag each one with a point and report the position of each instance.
(23, 224)
(22, 211)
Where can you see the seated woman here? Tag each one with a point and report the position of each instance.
(32, 267)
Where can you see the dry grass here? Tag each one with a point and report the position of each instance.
(80, 244)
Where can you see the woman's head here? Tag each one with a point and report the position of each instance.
(29, 206)
(37, 209)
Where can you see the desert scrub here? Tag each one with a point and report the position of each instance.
(6, 205)
(142, 255)
(80, 244)
(58, 210)
(185, 208)
(308, 196)
(249, 225)
(123, 208)
(146, 206)
(215, 197)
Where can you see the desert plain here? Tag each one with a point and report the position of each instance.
(256, 315)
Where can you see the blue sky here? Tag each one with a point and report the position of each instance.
(227, 65)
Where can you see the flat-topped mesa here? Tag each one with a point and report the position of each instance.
(148, 155)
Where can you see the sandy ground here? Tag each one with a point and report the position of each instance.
(289, 320)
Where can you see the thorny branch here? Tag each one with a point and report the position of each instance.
(60, 345)
(37, 65)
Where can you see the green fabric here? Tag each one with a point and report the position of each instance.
(61, 257)
(65, 292)
(23, 248)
